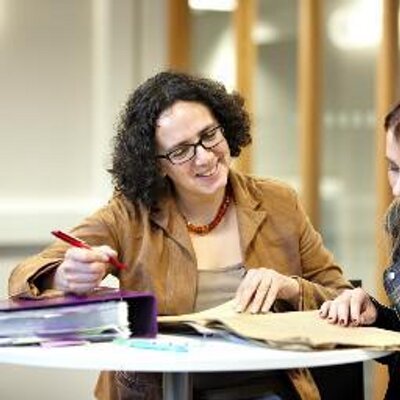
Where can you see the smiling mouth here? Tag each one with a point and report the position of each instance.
(208, 173)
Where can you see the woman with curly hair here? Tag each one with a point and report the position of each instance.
(356, 307)
(193, 231)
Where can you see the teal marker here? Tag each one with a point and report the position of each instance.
(154, 344)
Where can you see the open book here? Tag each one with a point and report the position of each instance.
(290, 330)
(104, 314)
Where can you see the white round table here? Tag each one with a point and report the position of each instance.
(176, 356)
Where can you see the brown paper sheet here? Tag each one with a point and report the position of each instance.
(290, 330)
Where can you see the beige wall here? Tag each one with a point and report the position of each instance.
(66, 67)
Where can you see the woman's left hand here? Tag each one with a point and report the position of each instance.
(261, 287)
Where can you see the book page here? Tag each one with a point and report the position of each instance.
(225, 310)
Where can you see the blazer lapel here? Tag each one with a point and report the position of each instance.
(249, 222)
(172, 222)
(250, 216)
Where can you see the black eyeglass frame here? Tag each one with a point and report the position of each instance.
(167, 155)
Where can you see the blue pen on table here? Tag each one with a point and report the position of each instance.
(154, 344)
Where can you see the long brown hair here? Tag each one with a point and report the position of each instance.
(392, 227)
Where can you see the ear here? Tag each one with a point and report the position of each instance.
(162, 169)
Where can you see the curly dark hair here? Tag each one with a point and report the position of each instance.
(135, 170)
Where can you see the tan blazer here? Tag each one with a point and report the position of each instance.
(274, 231)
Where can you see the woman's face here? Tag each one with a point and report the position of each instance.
(393, 157)
(186, 123)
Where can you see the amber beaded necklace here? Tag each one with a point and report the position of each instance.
(204, 229)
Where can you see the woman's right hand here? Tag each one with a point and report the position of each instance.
(82, 269)
(352, 307)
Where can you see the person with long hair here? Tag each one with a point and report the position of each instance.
(193, 231)
(355, 307)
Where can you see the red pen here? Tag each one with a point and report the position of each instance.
(73, 241)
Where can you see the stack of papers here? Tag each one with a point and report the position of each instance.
(105, 314)
(92, 322)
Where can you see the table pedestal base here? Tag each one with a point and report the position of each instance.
(177, 386)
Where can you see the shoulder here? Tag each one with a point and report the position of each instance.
(265, 190)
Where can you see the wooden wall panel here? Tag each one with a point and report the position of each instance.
(244, 21)
(309, 104)
(178, 15)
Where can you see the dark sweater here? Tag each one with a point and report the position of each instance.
(388, 319)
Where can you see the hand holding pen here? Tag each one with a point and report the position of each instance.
(83, 267)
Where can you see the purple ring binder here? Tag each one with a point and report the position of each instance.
(142, 310)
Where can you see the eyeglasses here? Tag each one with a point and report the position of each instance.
(186, 152)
